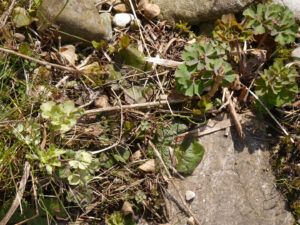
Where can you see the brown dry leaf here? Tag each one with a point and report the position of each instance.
(95, 130)
(136, 156)
(127, 209)
(68, 52)
(148, 166)
(102, 102)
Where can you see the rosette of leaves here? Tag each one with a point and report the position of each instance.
(202, 62)
(48, 158)
(274, 19)
(29, 132)
(227, 29)
(81, 167)
(277, 85)
(63, 117)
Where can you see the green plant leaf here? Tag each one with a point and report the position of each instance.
(189, 157)
(21, 17)
(74, 179)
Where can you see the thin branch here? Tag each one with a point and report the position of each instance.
(19, 196)
(134, 106)
(45, 63)
(121, 129)
(234, 115)
(270, 114)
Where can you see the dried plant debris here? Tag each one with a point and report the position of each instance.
(83, 114)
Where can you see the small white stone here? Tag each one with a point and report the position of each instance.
(122, 19)
(296, 54)
(189, 195)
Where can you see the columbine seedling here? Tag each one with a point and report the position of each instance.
(29, 132)
(201, 63)
(277, 85)
(48, 158)
(274, 19)
(63, 116)
(80, 169)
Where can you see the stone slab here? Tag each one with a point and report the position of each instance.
(234, 184)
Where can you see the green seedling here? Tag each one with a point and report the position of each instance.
(202, 62)
(273, 19)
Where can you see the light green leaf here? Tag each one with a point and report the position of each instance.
(74, 179)
(21, 17)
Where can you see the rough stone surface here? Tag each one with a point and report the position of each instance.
(195, 11)
(293, 5)
(79, 18)
(233, 183)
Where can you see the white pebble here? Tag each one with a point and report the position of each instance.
(189, 195)
(122, 19)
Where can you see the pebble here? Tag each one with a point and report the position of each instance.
(296, 54)
(189, 195)
(122, 19)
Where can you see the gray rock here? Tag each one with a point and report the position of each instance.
(78, 18)
(195, 11)
(233, 183)
(293, 5)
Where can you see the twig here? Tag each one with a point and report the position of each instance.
(45, 63)
(19, 196)
(197, 132)
(134, 106)
(7, 13)
(121, 129)
(163, 62)
(234, 115)
(270, 114)
(160, 159)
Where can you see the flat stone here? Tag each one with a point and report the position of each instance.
(195, 11)
(78, 18)
(233, 183)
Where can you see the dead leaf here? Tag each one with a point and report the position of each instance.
(102, 102)
(148, 166)
(95, 130)
(127, 209)
(68, 52)
(136, 156)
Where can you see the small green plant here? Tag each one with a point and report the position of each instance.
(277, 85)
(63, 116)
(202, 62)
(185, 28)
(274, 19)
(80, 167)
(48, 158)
(227, 30)
(29, 132)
